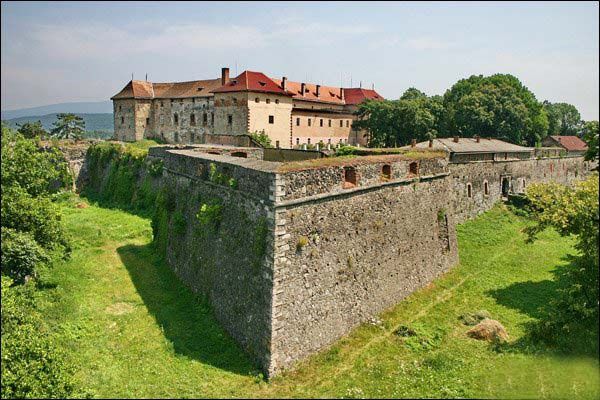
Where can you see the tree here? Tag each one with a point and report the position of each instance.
(68, 126)
(32, 130)
(563, 119)
(496, 106)
(393, 123)
(590, 135)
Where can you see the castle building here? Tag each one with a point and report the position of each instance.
(290, 113)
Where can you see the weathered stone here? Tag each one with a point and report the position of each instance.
(490, 330)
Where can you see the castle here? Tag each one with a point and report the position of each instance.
(290, 113)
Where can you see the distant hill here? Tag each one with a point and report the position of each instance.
(96, 107)
(93, 122)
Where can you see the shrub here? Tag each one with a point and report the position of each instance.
(32, 366)
(25, 165)
(210, 214)
(21, 255)
(38, 216)
(571, 211)
(261, 138)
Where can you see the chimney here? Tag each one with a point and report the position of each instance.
(477, 138)
(303, 88)
(342, 94)
(283, 83)
(318, 90)
(224, 76)
(413, 143)
(455, 140)
(430, 142)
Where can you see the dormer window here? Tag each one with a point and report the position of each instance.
(199, 89)
(261, 83)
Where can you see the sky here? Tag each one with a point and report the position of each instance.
(63, 52)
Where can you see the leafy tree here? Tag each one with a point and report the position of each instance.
(590, 135)
(68, 126)
(24, 165)
(563, 119)
(397, 122)
(22, 257)
(496, 106)
(262, 138)
(571, 211)
(32, 130)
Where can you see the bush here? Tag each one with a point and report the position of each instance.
(38, 216)
(36, 171)
(21, 255)
(571, 211)
(32, 367)
(261, 138)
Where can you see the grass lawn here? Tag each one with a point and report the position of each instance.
(134, 331)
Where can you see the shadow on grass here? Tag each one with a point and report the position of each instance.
(544, 335)
(97, 200)
(186, 320)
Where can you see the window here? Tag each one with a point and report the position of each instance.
(386, 172)
(308, 140)
(119, 108)
(469, 190)
(330, 123)
(271, 119)
(277, 143)
(347, 123)
(268, 101)
(147, 121)
(161, 103)
(234, 100)
(321, 122)
(175, 119)
(309, 122)
(276, 101)
(506, 156)
(329, 140)
(413, 168)
(341, 123)
(193, 120)
(204, 119)
(349, 178)
(297, 140)
(122, 120)
(486, 188)
(230, 120)
(257, 100)
(297, 121)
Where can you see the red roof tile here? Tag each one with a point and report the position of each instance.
(250, 81)
(357, 95)
(570, 143)
(327, 94)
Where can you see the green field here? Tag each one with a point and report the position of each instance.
(134, 330)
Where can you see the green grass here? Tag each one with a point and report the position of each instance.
(135, 331)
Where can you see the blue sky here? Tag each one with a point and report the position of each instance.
(61, 52)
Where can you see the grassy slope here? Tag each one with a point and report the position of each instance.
(135, 331)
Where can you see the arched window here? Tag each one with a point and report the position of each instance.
(175, 119)
(257, 100)
(192, 119)
(349, 177)
(386, 172)
(268, 101)
(486, 188)
(469, 190)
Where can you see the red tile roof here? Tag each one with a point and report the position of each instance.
(168, 90)
(357, 95)
(570, 143)
(250, 81)
(327, 94)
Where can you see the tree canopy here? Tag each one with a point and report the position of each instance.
(590, 135)
(563, 119)
(32, 130)
(68, 126)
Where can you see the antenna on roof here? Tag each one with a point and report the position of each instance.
(146, 77)
(350, 79)
(236, 68)
(360, 84)
(372, 86)
(132, 76)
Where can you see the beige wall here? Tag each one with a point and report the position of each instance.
(143, 124)
(279, 107)
(302, 132)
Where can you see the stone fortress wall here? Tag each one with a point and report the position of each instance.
(294, 255)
